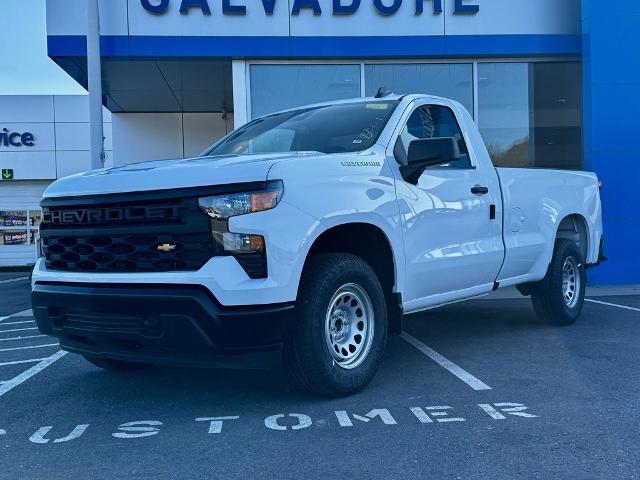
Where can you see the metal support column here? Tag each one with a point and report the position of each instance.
(94, 69)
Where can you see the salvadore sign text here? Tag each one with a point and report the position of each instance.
(337, 7)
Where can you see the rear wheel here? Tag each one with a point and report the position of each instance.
(114, 365)
(558, 298)
(338, 335)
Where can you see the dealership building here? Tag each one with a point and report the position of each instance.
(550, 83)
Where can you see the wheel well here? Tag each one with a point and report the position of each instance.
(574, 227)
(368, 242)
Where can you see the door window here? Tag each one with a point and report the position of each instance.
(433, 121)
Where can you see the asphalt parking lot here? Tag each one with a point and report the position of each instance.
(479, 389)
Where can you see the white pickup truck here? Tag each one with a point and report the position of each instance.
(307, 234)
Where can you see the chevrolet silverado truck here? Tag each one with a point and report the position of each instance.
(305, 236)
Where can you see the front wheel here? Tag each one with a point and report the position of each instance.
(338, 335)
(559, 296)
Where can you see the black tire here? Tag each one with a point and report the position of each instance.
(548, 295)
(311, 365)
(114, 365)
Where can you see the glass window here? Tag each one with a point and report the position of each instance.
(450, 80)
(35, 217)
(19, 227)
(278, 87)
(344, 127)
(530, 114)
(433, 121)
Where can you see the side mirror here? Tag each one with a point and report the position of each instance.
(428, 152)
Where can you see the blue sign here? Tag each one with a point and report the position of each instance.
(339, 7)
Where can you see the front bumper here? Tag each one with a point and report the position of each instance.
(165, 324)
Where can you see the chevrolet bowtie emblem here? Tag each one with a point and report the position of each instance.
(166, 247)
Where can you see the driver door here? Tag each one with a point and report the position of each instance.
(451, 243)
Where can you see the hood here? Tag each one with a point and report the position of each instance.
(168, 174)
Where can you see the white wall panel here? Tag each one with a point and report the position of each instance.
(71, 162)
(69, 135)
(21, 195)
(26, 108)
(75, 136)
(69, 17)
(517, 17)
(29, 165)
(154, 136)
(201, 130)
(146, 136)
(75, 108)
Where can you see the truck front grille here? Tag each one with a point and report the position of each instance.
(139, 232)
(128, 253)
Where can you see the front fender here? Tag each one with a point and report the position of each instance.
(342, 189)
(393, 236)
(290, 233)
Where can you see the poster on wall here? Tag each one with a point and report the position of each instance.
(13, 237)
(13, 218)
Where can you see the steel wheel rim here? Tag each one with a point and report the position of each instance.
(349, 326)
(570, 282)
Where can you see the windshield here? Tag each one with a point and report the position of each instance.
(347, 127)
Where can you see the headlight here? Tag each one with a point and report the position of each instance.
(222, 207)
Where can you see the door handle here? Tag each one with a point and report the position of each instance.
(479, 190)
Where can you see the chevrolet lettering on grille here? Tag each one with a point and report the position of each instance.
(112, 214)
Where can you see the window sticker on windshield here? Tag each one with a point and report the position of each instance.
(370, 131)
(357, 141)
(377, 106)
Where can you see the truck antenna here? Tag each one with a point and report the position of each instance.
(383, 92)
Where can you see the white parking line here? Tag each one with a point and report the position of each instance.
(11, 280)
(17, 362)
(23, 313)
(29, 347)
(17, 323)
(444, 362)
(24, 376)
(626, 307)
(18, 330)
(21, 338)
